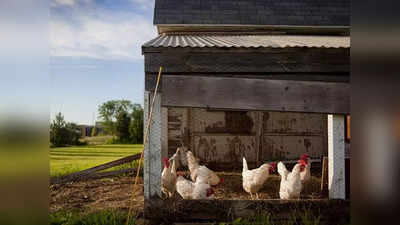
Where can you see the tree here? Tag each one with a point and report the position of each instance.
(58, 131)
(122, 127)
(74, 134)
(63, 133)
(110, 110)
(136, 126)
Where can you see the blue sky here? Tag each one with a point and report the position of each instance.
(95, 54)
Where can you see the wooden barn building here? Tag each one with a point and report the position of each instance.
(264, 79)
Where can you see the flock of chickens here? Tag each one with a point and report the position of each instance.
(203, 179)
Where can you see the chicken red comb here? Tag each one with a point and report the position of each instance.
(166, 162)
(273, 166)
(301, 161)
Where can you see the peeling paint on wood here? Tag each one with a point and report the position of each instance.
(225, 149)
(291, 147)
(233, 122)
(298, 123)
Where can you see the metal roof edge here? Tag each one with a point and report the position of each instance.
(167, 28)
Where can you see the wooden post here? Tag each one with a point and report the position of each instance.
(152, 152)
(324, 177)
(336, 164)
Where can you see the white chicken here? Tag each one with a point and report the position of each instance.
(291, 185)
(194, 190)
(168, 178)
(179, 157)
(305, 175)
(203, 172)
(254, 179)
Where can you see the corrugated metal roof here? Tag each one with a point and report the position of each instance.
(249, 41)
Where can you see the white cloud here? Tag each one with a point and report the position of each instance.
(99, 38)
(144, 4)
(63, 2)
(56, 3)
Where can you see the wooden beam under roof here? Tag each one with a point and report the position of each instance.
(256, 94)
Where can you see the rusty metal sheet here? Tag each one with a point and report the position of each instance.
(225, 148)
(282, 147)
(294, 123)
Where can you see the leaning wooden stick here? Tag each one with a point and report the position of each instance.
(146, 135)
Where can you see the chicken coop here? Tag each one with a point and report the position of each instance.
(264, 80)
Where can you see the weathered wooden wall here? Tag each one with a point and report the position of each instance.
(287, 135)
(221, 138)
(306, 64)
(273, 60)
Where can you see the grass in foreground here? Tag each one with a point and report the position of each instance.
(66, 160)
(119, 218)
(94, 218)
(298, 218)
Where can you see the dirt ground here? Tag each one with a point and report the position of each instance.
(115, 193)
(93, 195)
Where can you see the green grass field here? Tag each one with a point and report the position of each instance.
(67, 160)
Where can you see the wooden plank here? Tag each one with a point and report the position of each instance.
(168, 211)
(99, 175)
(151, 78)
(256, 94)
(86, 173)
(290, 60)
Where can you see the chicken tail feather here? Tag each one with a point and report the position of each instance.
(245, 168)
(192, 162)
(173, 167)
(282, 170)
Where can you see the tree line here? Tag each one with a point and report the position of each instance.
(123, 120)
(120, 118)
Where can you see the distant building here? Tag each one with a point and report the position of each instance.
(87, 129)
